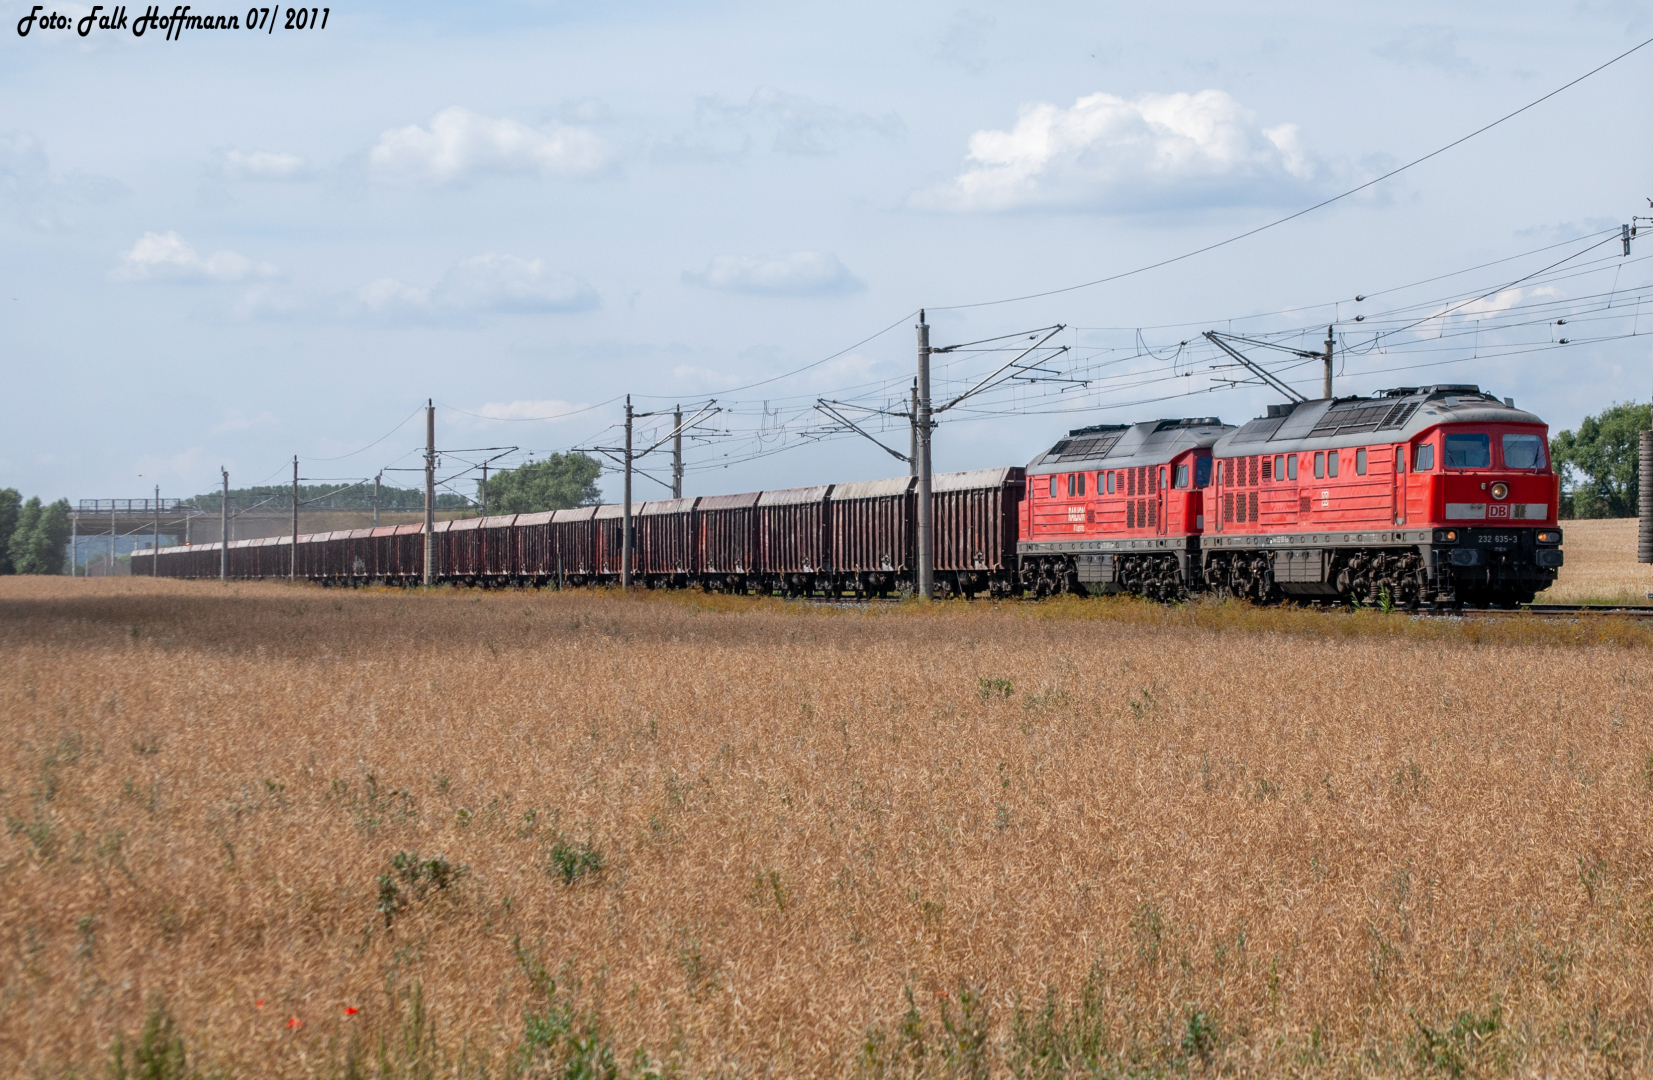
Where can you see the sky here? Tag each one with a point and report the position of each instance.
(228, 247)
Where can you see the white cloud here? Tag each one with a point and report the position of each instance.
(168, 257)
(847, 370)
(700, 376)
(28, 186)
(1428, 46)
(22, 159)
(478, 285)
(460, 144)
(1107, 154)
(1505, 299)
(174, 472)
(237, 420)
(799, 125)
(550, 411)
(965, 41)
(801, 273)
(261, 165)
(271, 302)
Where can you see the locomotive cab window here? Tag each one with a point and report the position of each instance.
(1320, 465)
(1423, 459)
(1468, 450)
(1181, 480)
(1523, 452)
(1202, 472)
(1360, 462)
(1162, 478)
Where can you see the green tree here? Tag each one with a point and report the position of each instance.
(557, 483)
(325, 497)
(10, 502)
(38, 543)
(1599, 463)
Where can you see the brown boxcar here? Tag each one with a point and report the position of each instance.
(407, 553)
(871, 527)
(275, 558)
(607, 526)
(794, 547)
(667, 542)
(271, 554)
(499, 556)
(533, 558)
(459, 549)
(374, 549)
(361, 555)
(329, 558)
(975, 516)
(728, 540)
(573, 544)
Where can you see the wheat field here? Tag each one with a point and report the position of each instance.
(1601, 566)
(269, 830)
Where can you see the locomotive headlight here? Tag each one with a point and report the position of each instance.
(1446, 536)
(1549, 536)
(1500, 491)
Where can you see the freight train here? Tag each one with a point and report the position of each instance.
(1437, 495)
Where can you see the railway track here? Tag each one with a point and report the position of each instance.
(1543, 611)
(1559, 611)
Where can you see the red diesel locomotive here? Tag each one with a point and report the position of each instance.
(1119, 508)
(1438, 495)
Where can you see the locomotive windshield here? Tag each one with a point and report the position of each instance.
(1202, 472)
(1523, 452)
(1468, 451)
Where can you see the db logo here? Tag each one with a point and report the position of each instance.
(1498, 510)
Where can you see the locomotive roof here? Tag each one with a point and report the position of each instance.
(1119, 446)
(1391, 416)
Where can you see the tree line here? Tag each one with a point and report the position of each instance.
(273, 497)
(34, 537)
(558, 482)
(1600, 463)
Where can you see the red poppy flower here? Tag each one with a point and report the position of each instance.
(350, 1010)
(259, 1003)
(294, 1023)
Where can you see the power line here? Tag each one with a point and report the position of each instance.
(372, 444)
